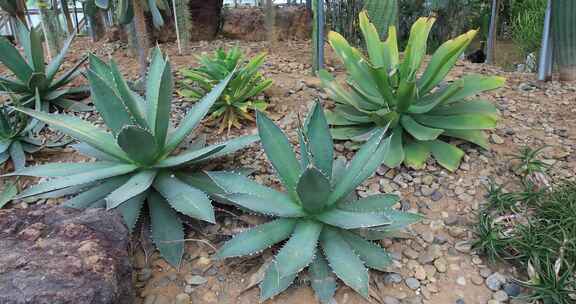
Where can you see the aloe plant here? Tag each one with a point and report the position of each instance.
(238, 98)
(32, 74)
(328, 230)
(135, 161)
(423, 112)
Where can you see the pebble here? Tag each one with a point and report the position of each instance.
(495, 139)
(436, 196)
(461, 281)
(390, 300)
(512, 289)
(412, 283)
(460, 301)
(441, 265)
(392, 278)
(195, 279)
(500, 296)
(411, 253)
(463, 246)
(495, 281)
(182, 299)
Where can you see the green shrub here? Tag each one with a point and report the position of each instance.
(527, 22)
(422, 112)
(135, 160)
(318, 211)
(32, 75)
(238, 98)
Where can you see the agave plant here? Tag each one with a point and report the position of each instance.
(16, 138)
(32, 74)
(238, 97)
(423, 112)
(135, 162)
(326, 227)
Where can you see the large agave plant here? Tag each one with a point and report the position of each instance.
(32, 74)
(135, 162)
(423, 112)
(238, 98)
(326, 227)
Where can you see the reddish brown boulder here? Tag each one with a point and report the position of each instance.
(64, 256)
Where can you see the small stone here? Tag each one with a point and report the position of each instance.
(477, 280)
(500, 296)
(512, 289)
(485, 272)
(463, 246)
(494, 138)
(451, 220)
(495, 281)
(441, 265)
(428, 179)
(461, 281)
(460, 301)
(412, 283)
(195, 279)
(426, 190)
(182, 299)
(411, 253)
(436, 196)
(390, 300)
(392, 278)
(420, 273)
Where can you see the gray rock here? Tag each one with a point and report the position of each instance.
(182, 299)
(195, 279)
(82, 257)
(460, 301)
(392, 278)
(436, 196)
(495, 281)
(500, 296)
(390, 300)
(512, 289)
(412, 283)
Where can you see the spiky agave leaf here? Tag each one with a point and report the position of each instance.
(317, 211)
(422, 113)
(238, 99)
(125, 177)
(32, 74)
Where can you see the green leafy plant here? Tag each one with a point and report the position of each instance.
(490, 239)
(551, 282)
(16, 138)
(32, 74)
(135, 161)
(422, 112)
(328, 230)
(526, 24)
(237, 100)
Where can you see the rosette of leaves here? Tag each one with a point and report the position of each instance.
(423, 112)
(16, 138)
(238, 99)
(135, 163)
(326, 228)
(32, 74)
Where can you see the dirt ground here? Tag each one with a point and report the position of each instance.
(436, 252)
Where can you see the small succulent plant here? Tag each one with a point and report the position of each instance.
(135, 160)
(235, 104)
(33, 75)
(16, 138)
(423, 112)
(326, 228)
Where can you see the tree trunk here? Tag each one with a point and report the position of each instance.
(142, 36)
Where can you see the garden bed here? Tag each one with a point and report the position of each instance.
(433, 264)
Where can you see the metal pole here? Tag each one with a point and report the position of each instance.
(545, 61)
(492, 33)
(320, 34)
